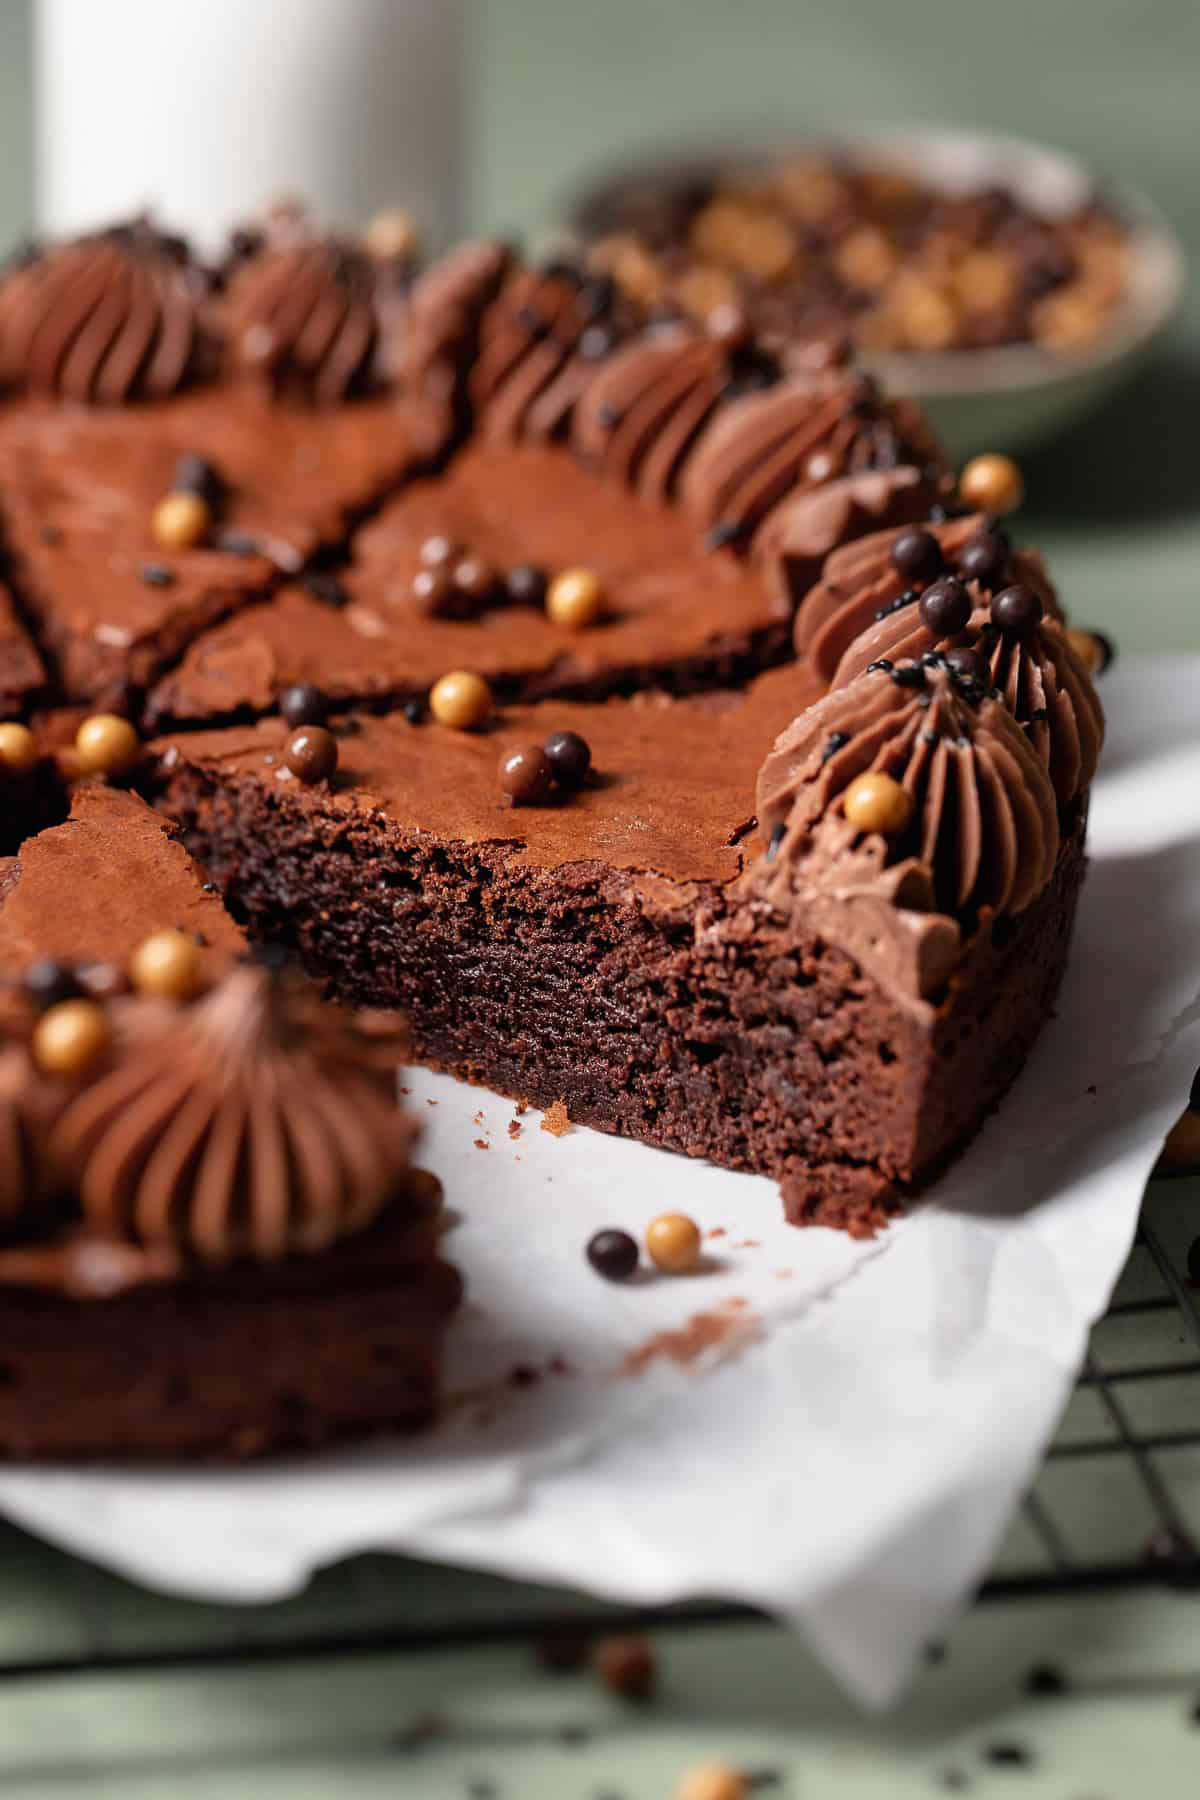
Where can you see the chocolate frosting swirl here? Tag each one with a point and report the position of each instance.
(644, 407)
(257, 1121)
(983, 825)
(429, 352)
(107, 318)
(859, 583)
(25, 1106)
(305, 314)
(1039, 676)
(797, 435)
(540, 343)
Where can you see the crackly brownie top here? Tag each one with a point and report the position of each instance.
(671, 788)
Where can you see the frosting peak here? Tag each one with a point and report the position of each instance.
(982, 826)
(257, 1121)
(306, 313)
(107, 318)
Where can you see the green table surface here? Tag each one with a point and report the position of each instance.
(1117, 508)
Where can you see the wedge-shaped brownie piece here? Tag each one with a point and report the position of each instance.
(631, 950)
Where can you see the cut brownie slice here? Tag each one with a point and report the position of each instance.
(91, 889)
(673, 612)
(78, 491)
(610, 952)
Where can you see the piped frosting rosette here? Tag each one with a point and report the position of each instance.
(898, 808)
(112, 317)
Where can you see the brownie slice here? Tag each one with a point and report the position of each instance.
(78, 490)
(605, 952)
(675, 613)
(101, 1359)
(91, 889)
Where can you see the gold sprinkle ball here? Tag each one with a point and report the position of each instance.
(1086, 648)
(166, 965)
(106, 744)
(992, 484)
(673, 1243)
(712, 1781)
(181, 520)
(461, 700)
(574, 599)
(392, 234)
(877, 802)
(69, 1036)
(18, 748)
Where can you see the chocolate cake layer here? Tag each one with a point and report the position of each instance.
(605, 952)
(675, 613)
(226, 1364)
(78, 490)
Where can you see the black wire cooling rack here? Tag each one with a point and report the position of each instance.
(1116, 1504)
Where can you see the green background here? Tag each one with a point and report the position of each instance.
(560, 88)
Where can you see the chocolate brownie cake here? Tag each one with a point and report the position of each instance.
(643, 715)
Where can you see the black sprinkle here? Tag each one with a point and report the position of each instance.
(833, 744)
(237, 543)
(898, 604)
(909, 675)
(209, 887)
(156, 574)
(777, 837)
(1045, 1678)
(929, 735)
(1009, 1756)
(934, 659)
(608, 416)
(327, 589)
(597, 342)
(574, 1736)
(935, 1653)
(532, 321)
(881, 663)
(1035, 718)
(597, 296)
(725, 532)
(414, 711)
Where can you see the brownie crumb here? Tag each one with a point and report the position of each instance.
(1045, 1679)
(626, 1666)
(1009, 1756)
(482, 1144)
(514, 1128)
(522, 1108)
(555, 1120)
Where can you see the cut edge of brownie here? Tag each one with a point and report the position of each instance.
(680, 1014)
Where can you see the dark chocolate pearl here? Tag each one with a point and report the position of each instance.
(304, 704)
(613, 1254)
(433, 591)
(984, 558)
(1017, 609)
(474, 579)
(526, 585)
(526, 775)
(49, 983)
(438, 551)
(945, 607)
(196, 475)
(968, 665)
(569, 756)
(311, 754)
(917, 555)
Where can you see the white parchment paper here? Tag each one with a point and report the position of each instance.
(849, 1451)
